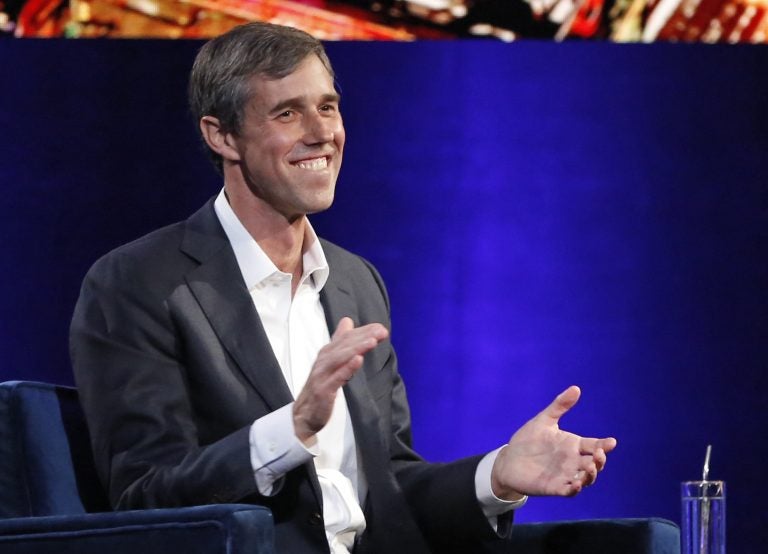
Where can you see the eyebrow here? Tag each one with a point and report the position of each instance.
(299, 100)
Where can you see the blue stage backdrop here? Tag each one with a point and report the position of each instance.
(543, 215)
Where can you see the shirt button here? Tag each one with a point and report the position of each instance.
(316, 519)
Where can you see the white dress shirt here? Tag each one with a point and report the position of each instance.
(297, 330)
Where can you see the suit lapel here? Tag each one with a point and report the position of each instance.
(394, 528)
(338, 302)
(218, 286)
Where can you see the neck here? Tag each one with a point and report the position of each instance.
(280, 237)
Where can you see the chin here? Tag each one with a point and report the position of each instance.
(319, 208)
(320, 204)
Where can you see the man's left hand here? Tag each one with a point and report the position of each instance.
(543, 460)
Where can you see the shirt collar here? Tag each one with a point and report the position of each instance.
(254, 263)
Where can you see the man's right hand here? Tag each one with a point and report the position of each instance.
(336, 363)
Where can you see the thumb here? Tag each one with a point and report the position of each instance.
(562, 403)
(345, 325)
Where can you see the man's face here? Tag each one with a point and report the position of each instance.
(292, 139)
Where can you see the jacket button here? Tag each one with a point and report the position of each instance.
(316, 519)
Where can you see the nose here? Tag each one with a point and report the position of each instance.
(320, 129)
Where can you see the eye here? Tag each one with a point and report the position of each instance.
(287, 115)
(328, 108)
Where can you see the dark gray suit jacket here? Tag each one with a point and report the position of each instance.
(173, 366)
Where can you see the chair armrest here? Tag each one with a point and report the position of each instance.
(215, 529)
(606, 536)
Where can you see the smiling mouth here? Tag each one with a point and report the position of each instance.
(315, 164)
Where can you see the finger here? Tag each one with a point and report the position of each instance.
(345, 325)
(353, 342)
(607, 444)
(343, 348)
(345, 373)
(590, 445)
(334, 361)
(354, 337)
(589, 474)
(600, 458)
(346, 329)
(564, 402)
(584, 476)
(573, 488)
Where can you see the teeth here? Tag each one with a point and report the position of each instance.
(314, 165)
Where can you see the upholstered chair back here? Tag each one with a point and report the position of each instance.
(46, 466)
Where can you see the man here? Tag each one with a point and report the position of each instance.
(206, 365)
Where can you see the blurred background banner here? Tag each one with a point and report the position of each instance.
(710, 21)
(543, 215)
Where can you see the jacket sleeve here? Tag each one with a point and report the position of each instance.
(133, 388)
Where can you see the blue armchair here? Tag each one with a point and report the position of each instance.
(52, 501)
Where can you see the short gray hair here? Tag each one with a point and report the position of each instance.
(220, 77)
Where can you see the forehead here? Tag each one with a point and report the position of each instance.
(310, 78)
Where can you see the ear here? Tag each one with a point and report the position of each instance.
(217, 139)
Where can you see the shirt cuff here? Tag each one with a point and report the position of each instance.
(275, 450)
(492, 505)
